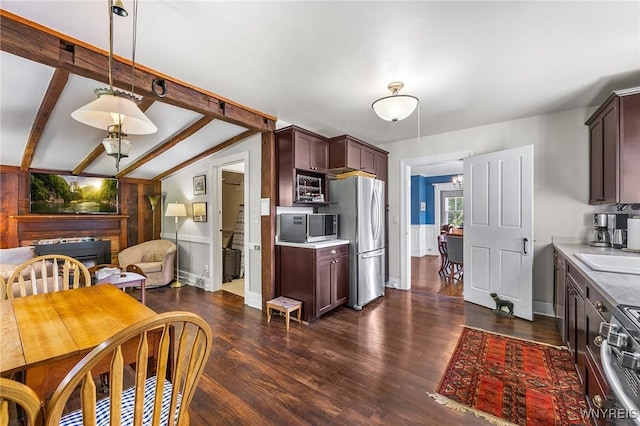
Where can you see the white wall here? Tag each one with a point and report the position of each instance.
(196, 241)
(561, 180)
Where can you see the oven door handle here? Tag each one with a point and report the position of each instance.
(622, 398)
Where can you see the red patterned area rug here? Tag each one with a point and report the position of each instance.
(511, 381)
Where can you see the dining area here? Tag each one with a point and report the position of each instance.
(451, 250)
(78, 350)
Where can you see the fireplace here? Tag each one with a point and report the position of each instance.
(86, 251)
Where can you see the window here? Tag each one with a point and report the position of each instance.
(452, 208)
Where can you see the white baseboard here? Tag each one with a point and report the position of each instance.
(543, 308)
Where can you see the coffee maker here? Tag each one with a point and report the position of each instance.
(601, 237)
(617, 225)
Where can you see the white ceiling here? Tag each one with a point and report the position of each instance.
(320, 65)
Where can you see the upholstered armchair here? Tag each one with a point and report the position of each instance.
(156, 259)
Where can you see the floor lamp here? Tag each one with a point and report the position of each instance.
(176, 210)
(153, 200)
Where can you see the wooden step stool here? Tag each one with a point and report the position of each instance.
(286, 306)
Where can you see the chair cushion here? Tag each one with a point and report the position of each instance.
(149, 256)
(149, 267)
(74, 418)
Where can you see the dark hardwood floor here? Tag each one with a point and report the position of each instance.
(425, 276)
(367, 367)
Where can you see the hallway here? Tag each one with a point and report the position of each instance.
(425, 277)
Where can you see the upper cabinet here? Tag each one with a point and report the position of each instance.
(614, 138)
(303, 157)
(348, 153)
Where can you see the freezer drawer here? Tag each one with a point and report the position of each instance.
(367, 283)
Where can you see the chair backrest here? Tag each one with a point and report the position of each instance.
(24, 397)
(455, 248)
(183, 341)
(3, 288)
(47, 273)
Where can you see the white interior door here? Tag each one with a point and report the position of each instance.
(498, 228)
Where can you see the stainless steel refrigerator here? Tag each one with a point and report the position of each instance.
(359, 202)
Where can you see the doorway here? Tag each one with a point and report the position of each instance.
(442, 164)
(232, 235)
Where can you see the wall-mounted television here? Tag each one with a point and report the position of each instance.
(68, 194)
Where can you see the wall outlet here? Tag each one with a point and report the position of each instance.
(206, 269)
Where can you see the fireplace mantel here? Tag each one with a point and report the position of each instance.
(29, 229)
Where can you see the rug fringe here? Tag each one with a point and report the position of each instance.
(562, 348)
(461, 408)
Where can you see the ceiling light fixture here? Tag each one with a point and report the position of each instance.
(458, 181)
(115, 110)
(395, 107)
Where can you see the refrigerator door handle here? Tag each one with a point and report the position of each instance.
(375, 218)
(375, 253)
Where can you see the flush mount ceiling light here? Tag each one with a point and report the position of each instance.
(115, 110)
(395, 107)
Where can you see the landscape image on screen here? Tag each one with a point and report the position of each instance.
(68, 194)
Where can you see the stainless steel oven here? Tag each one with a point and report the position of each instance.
(620, 356)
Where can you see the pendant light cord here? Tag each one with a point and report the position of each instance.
(133, 47)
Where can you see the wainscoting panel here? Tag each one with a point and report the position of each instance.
(424, 240)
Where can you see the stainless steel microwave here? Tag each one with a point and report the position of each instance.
(308, 228)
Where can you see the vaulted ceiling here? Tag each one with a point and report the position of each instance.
(233, 67)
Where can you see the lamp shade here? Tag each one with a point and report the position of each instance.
(395, 107)
(113, 107)
(176, 209)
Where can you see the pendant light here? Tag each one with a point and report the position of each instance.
(116, 111)
(395, 107)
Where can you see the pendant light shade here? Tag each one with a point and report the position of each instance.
(112, 149)
(114, 106)
(395, 107)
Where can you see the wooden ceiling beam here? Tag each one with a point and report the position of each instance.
(165, 146)
(51, 96)
(32, 41)
(99, 149)
(207, 153)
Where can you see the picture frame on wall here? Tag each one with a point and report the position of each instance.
(199, 185)
(199, 211)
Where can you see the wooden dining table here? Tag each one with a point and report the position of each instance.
(44, 336)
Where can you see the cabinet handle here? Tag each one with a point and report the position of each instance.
(599, 306)
(333, 251)
(598, 341)
(597, 401)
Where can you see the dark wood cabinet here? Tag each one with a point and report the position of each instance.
(576, 336)
(614, 140)
(319, 278)
(347, 153)
(560, 290)
(300, 152)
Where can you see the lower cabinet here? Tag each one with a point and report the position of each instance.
(319, 278)
(585, 309)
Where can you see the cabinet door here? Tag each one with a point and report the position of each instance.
(324, 284)
(302, 149)
(319, 155)
(604, 141)
(367, 159)
(341, 281)
(354, 152)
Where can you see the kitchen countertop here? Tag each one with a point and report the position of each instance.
(318, 245)
(616, 287)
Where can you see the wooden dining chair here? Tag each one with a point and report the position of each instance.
(184, 343)
(455, 250)
(3, 288)
(24, 398)
(47, 273)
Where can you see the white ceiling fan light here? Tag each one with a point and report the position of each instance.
(395, 107)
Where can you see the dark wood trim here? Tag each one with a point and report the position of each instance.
(56, 86)
(207, 153)
(165, 146)
(35, 42)
(268, 223)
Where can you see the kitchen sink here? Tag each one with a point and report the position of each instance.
(611, 263)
